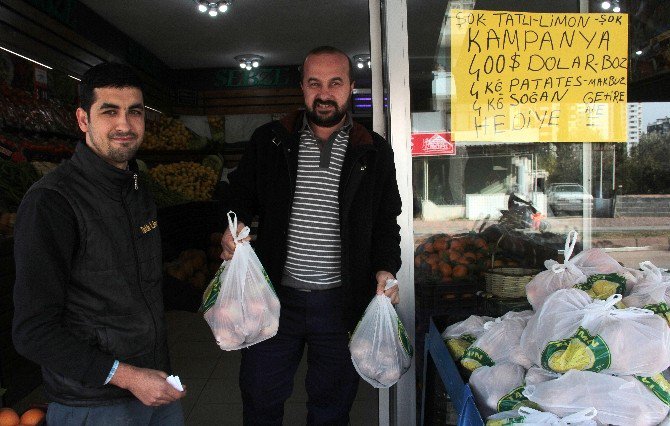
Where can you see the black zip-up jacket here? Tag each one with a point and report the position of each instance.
(88, 279)
(264, 183)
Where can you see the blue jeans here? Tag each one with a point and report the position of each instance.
(131, 413)
(268, 368)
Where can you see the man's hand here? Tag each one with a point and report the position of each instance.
(228, 243)
(392, 292)
(149, 386)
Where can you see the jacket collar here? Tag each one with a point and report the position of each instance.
(96, 169)
(358, 136)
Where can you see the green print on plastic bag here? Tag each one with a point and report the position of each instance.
(513, 400)
(404, 339)
(661, 309)
(212, 290)
(602, 286)
(658, 385)
(579, 352)
(475, 357)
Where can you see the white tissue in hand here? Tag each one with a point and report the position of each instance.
(175, 382)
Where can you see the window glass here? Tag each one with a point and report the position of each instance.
(512, 205)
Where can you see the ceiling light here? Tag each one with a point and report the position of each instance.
(73, 77)
(25, 57)
(249, 60)
(362, 60)
(605, 5)
(616, 8)
(213, 7)
(638, 52)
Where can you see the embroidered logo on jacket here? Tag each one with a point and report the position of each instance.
(149, 226)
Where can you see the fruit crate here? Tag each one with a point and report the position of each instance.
(439, 367)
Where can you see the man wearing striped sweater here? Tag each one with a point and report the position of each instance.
(325, 192)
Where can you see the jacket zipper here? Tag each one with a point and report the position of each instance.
(138, 273)
(135, 181)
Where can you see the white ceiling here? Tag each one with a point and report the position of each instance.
(282, 31)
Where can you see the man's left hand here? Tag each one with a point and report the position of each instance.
(392, 293)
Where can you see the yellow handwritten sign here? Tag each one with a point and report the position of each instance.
(538, 77)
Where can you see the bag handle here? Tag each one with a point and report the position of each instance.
(581, 416)
(232, 225)
(570, 242)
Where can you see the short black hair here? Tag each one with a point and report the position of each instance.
(106, 74)
(327, 50)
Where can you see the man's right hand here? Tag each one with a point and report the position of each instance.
(228, 243)
(149, 386)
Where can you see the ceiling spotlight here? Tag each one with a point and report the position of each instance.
(248, 61)
(605, 5)
(638, 52)
(362, 61)
(213, 7)
(616, 9)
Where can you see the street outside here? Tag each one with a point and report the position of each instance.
(630, 240)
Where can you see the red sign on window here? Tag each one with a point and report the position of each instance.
(439, 143)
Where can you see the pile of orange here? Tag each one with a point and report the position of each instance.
(448, 258)
(32, 417)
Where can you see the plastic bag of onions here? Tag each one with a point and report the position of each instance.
(240, 305)
(380, 348)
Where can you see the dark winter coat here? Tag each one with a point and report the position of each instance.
(264, 183)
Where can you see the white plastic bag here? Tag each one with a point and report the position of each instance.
(556, 277)
(240, 304)
(380, 348)
(573, 332)
(536, 375)
(498, 388)
(618, 400)
(652, 291)
(461, 335)
(499, 343)
(530, 416)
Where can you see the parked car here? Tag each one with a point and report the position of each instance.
(568, 197)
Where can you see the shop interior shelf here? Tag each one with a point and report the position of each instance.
(459, 392)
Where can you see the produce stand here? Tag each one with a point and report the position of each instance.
(437, 356)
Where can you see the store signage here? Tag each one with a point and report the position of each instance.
(429, 144)
(539, 77)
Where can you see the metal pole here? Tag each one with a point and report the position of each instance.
(399, 135)
(379, 126)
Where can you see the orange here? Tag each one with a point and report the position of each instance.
(8, 417)
(445, 270)
(440, 244)
(32, 417)
(454, 255)
(460, 271)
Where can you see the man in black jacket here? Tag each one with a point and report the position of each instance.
(325, 192)
(88, 299)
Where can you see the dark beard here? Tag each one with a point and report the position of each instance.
(330, 120)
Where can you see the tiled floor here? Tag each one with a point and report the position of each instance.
(210, 375)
